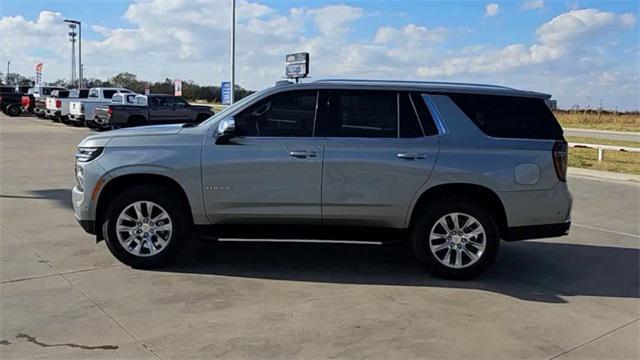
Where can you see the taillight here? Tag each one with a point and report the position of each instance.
(560, 159)
(58, 104)
(109, 111)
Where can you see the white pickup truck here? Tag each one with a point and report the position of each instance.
(57, 105)
(83, 111)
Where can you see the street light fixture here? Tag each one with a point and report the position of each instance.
(72, 24)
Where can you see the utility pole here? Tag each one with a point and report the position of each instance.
(233, 50)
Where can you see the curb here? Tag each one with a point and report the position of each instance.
(603, 175)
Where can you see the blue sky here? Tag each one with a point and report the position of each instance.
(580, 51)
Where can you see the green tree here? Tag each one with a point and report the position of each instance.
(129, 81)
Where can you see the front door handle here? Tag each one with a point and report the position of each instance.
(412, 156)
(300, 154)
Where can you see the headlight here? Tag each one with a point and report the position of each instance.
(85, 154)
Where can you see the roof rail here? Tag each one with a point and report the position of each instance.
(410, 82)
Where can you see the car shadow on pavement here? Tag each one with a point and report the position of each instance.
(61, 197)
(529, 270)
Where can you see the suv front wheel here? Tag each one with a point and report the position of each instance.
(455, 238)
(146, 227)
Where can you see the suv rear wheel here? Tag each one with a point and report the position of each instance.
(146, 227)
(456, 238)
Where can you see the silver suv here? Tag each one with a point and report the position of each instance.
(452, 168)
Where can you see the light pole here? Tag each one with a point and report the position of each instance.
(233, 50)
(72, 39)
(80, 74)
(7, 77)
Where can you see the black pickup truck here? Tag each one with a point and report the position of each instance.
(151, 109)
(10, 101)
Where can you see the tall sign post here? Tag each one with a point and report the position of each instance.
(297, 66)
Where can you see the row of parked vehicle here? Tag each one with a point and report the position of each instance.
(100, 108)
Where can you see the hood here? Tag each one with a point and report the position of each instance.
(101, 139)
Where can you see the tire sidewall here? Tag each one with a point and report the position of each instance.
(180, 233)
(13, 110)
(428, 218)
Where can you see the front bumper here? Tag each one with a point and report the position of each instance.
(88, 225)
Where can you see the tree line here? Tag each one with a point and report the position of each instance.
(190, 90)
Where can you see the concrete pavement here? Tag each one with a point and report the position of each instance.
(62, 296)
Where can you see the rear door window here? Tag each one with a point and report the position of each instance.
(360, 114)
(510, 116)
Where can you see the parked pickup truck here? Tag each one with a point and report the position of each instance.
(102, 111)
(39, 94)
(58, 108)
(52, 111)
(149, 109)
(10, 101)
(83, 111)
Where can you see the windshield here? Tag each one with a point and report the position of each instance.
(229, 109)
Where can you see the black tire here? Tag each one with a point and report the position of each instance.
(13, 110)
(77, 123)
(426, 221)
(172, 204)
(40, 115)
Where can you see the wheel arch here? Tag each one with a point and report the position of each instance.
(477, 192)
(117, 184)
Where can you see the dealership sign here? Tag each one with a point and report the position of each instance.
(225, 92)
(178, 88)
(297, 65)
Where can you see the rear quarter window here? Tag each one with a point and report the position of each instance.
(510, 116)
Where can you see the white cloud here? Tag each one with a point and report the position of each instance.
(335, 19)
(410, 33)
(532, 4)
(492, 9)
(558, 37)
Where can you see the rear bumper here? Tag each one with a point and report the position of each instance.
(538, 231)
(53, 114)
(76, 118)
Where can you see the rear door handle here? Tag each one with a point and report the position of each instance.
(412, 156)
(300, 154)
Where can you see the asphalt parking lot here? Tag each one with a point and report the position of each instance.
(63, 296)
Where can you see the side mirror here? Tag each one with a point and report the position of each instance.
(225, 131)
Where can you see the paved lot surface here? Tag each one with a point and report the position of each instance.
(603, 134)
(62, 296)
